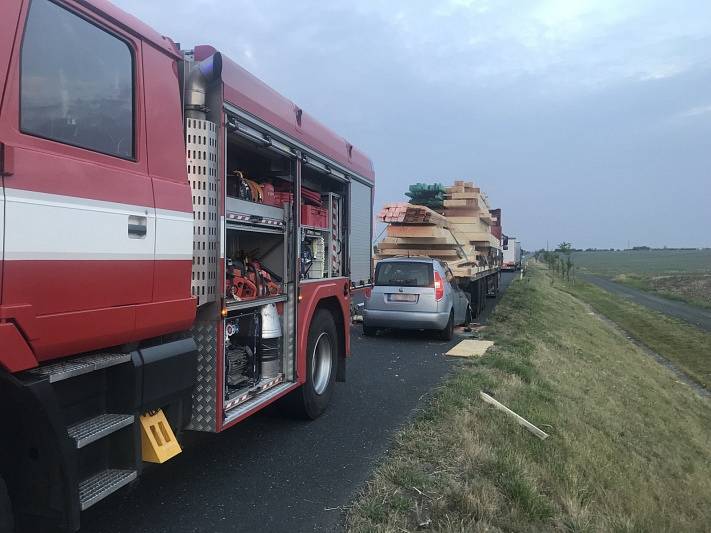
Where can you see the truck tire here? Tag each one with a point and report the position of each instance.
(447, 333)
(312, 398)
(7, 523)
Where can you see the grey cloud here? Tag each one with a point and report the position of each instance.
(585, 125)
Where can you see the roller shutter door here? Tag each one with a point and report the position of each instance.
(361, 232)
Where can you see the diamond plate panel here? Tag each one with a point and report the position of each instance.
(204, 395)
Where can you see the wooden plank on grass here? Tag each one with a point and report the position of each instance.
(522, 421)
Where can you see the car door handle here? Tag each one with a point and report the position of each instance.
(137, 227)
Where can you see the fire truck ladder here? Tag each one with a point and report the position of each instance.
(84, 387)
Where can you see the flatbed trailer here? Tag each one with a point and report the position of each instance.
(482, 285)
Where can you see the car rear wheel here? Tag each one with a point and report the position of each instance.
(468, 316)
(447, 333)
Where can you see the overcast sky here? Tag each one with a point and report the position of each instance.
(585, 121)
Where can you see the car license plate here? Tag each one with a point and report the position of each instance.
(403, 297)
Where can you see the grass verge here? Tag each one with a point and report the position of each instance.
(683, 344)
(628, 449)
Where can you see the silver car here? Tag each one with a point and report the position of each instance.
(415, 293)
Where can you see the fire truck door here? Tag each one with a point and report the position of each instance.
(9, 18)
(79, 207)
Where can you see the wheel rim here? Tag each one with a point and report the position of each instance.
(321, 363)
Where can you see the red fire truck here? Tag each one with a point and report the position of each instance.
(142, 292)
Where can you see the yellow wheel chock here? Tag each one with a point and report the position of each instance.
(158, 443)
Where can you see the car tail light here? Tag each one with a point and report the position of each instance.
(438, 286)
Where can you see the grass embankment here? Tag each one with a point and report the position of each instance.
(628, 447)
(685, 345)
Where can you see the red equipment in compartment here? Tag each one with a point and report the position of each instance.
(239, 286)
(283, 198)
(247, 280)
(268, 196)
(314, 216)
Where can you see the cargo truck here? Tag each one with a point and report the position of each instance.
(464, 234)
(512, 255)
(177, 253)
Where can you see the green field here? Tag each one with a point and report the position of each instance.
(628, 446)
(677, 274)
(611, 264)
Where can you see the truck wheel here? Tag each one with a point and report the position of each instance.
(7, 524)
(313, 397)
(447, 333)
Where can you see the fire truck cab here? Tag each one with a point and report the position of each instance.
(179, 244)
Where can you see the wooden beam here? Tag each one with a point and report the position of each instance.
(406, 242)
(464, 196)
(416, 230)
(522, 421)
(419, 251)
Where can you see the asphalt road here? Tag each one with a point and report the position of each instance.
(694, 315)
(271, 473)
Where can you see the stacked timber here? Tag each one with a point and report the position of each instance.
(468, 214)
(416, 230)
(459, 235)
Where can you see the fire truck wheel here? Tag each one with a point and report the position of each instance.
(6, 520)
(312, 399)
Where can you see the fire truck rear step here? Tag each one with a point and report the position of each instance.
(100, 485)
(93, 429)
(77, 366)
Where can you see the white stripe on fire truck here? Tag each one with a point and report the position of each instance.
(42, 226)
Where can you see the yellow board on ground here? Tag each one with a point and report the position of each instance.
(470, 348)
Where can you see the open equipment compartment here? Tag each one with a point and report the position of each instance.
(260, 282)
(323, 221)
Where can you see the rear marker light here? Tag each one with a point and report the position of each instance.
(438, 286)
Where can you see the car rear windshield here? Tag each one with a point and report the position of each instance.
(404, 274)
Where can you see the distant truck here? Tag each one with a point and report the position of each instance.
(512, 255)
